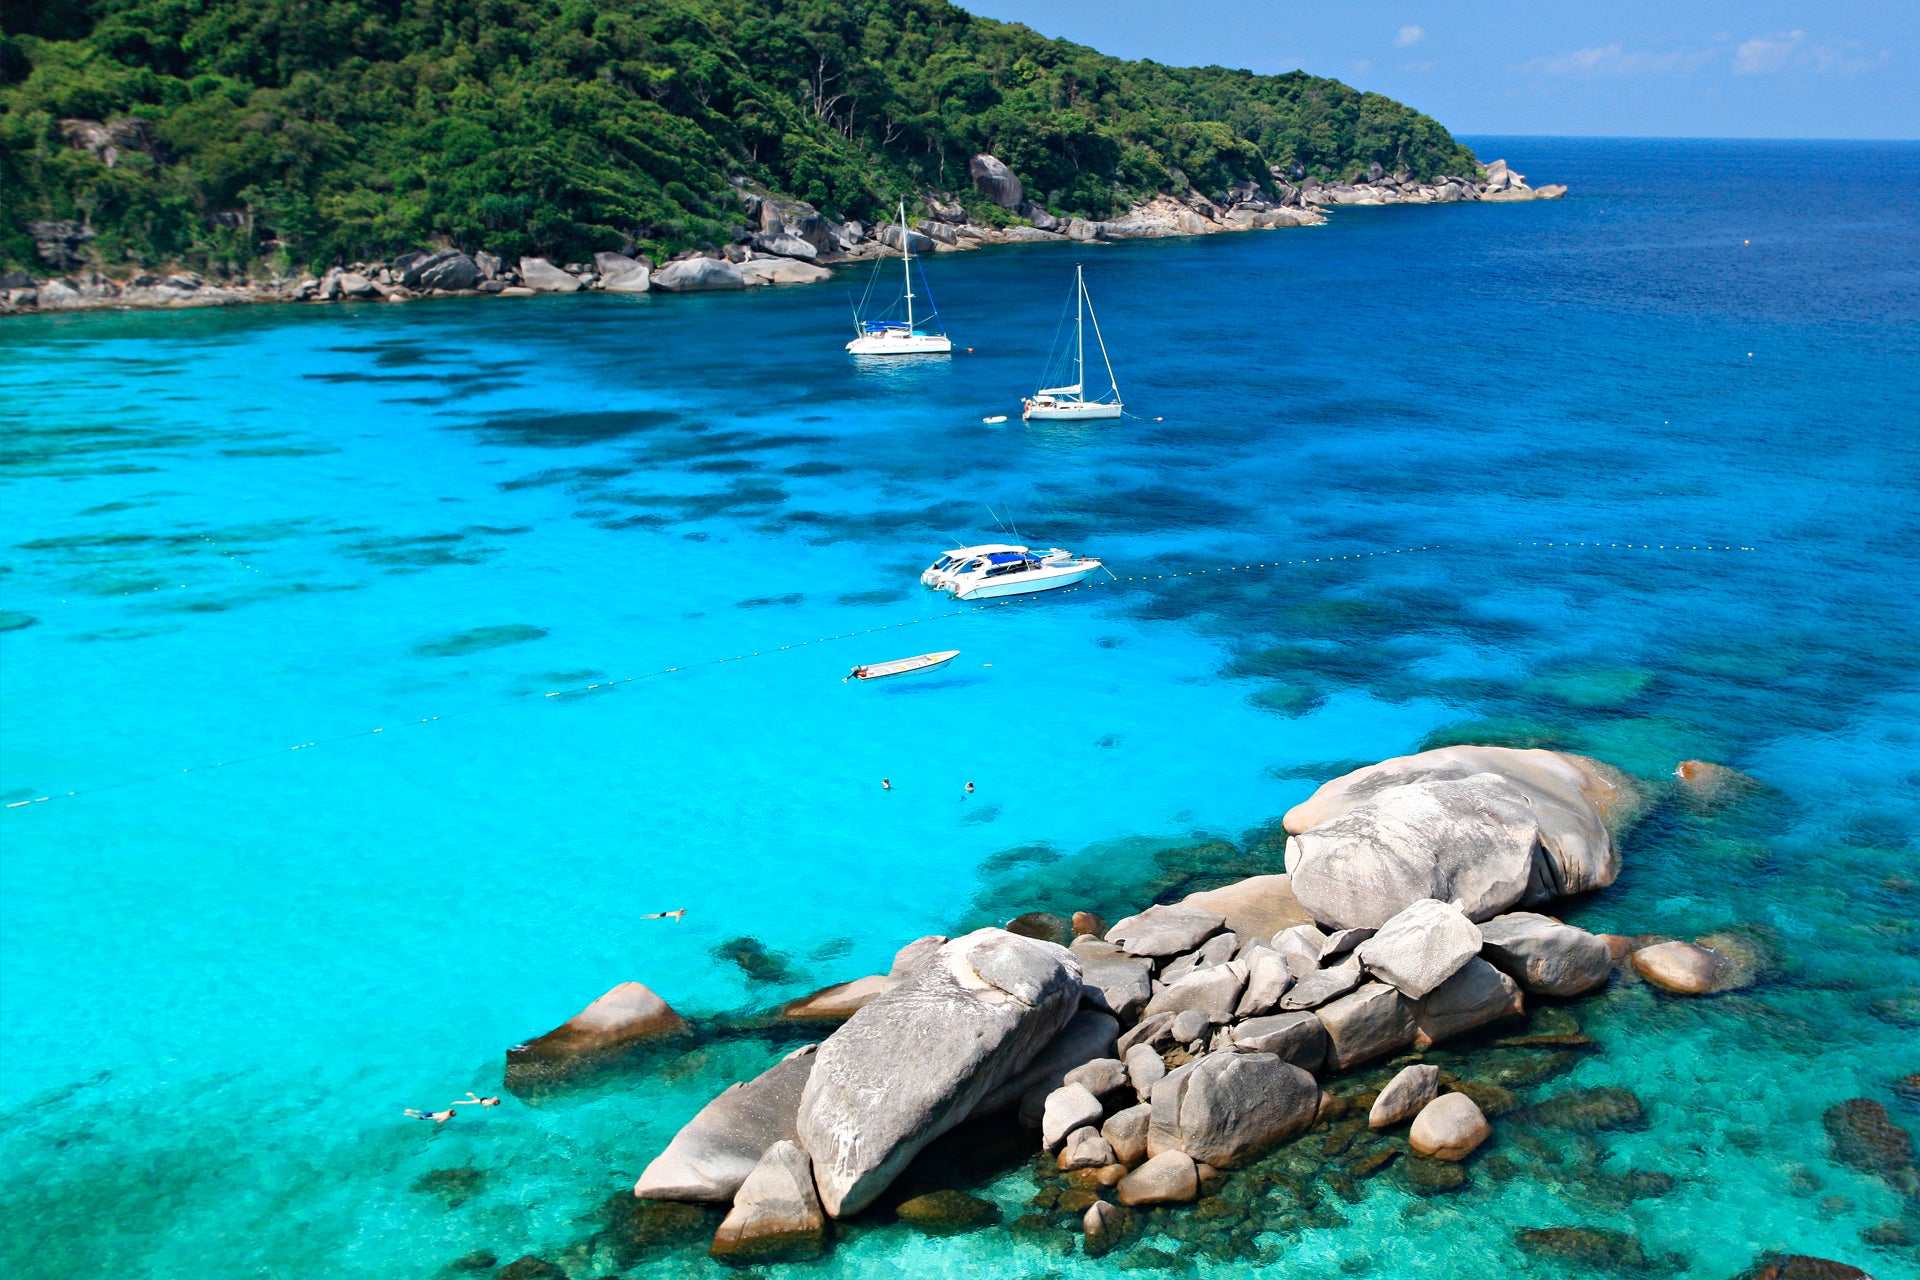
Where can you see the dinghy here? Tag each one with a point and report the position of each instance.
(1069, 403)
(901, 666)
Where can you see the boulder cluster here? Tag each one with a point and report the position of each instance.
(1153, 1057)
(779, 241)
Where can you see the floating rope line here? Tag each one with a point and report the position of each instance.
(582, 690)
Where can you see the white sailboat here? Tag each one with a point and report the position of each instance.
(1069, 403)
(894, 337)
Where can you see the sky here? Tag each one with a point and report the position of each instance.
(1654, 68)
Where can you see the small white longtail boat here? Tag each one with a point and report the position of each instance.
(895, 337)
(996, 569)
(901, 666)
(1069, 403)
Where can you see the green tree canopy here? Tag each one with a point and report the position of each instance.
(344, 129)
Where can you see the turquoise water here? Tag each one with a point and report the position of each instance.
(220, 983)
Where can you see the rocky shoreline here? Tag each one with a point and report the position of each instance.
(780, 242)
(1213, 1068)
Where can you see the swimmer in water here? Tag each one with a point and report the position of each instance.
(665, 915)
(969, 788)
(474, 1099)
(886, 784)
(438, 1117)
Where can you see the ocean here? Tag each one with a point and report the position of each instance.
(300, 838)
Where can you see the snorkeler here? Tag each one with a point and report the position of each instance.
(665, 915)
(438, 1117)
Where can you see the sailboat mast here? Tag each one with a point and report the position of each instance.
(1104, 357)
(1079, 333)
(906, 262)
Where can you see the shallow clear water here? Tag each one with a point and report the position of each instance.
(233, 533)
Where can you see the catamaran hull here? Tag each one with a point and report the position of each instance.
(1083, 412)
(1027, 583)
(920, 344)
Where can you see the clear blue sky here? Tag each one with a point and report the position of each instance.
(1676, 68)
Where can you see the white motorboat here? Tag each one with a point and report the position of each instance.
(909, 337)
(1000, 569)
(1069, 403)
(901, 666)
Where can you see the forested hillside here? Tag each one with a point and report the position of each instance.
(220, 131)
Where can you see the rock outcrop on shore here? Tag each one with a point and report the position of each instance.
(781, 242)
(1197, 1047)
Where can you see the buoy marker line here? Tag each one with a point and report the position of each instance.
(581, 690)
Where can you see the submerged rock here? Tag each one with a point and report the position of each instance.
(627, 1015)
(714, 1152)
(1545, 956)
(1104, 1225)
(947, 1212)
(922, 1055)
(838, 1002)
(1589, 1110)
(1679, 967)
(777, 1215)
(1800, 1266)
(1044, 925)
(1449, 1128)
(1864, 1136)
(1597, 1247)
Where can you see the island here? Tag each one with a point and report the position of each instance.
(180, 154)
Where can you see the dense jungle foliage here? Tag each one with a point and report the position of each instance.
(323, 130)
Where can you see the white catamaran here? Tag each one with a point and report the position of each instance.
(895, 337)
(1069, 403)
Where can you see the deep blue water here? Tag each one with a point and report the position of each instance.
(237, 532)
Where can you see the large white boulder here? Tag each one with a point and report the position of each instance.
(1572, 798)
(692, 275)
(541, 275)
(1421, 947)
(713, 1153)
(761, 271)
(1473, 842)
(922, 1055)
